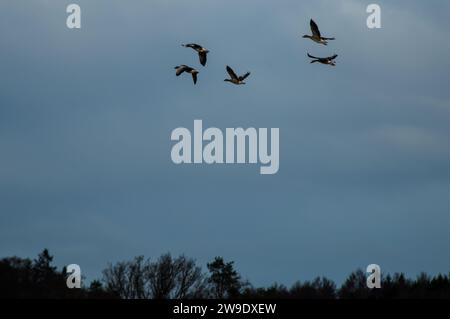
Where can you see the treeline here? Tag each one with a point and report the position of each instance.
(182, 278)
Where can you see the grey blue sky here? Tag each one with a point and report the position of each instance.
(86, 117)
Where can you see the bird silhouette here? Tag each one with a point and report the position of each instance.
(184, 68)
(238, 80)
(202, 52)
(316, 37)
(328, 60)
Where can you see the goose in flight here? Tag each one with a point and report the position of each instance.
(234, 78)
(202, 52)
(329, 60)
(184, 68)
(316, 37)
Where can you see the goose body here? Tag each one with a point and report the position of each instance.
(238, 80)
(184, 68)
(202, 52)
(328, 60)
(316, 36)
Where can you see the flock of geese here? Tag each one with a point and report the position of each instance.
(238, 80)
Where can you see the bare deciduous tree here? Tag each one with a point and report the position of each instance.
(165, 278)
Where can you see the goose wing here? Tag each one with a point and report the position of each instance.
(202, 56)
(312, 56)
(194, 46)
(314, 28)
(194, 77)
(181, 68)
(243, 77)
(231, 73)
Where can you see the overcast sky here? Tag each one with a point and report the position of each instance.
(86, 117)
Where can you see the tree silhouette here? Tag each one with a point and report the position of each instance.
(189, 281)
(181, 277)
(126, 279)
(319, 288)
(355, 286)
(274, 291)
(163, 279)
(224, 280)
(43, 271)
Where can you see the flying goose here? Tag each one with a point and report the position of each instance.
(329, 60)
(200, 50)
(184, 68)
(316, 37)
(234, 78)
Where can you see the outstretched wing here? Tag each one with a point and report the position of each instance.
(314, 28)
(194, 77)
(312, 56)
(193, 46)
(180, 69)
(202, 56)
(243, 77)
(231, 73)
